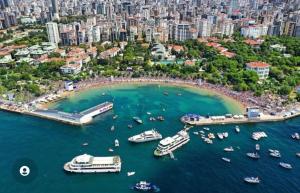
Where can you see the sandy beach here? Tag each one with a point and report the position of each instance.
(231, 100)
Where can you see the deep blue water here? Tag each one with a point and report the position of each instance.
(198, 166)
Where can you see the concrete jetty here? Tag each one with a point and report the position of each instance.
(194, 119)
(81, 118)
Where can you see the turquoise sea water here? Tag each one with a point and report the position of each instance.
(198, 166)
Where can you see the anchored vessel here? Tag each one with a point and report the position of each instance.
(138, 120)
(145, 136)
(252, 180)
(169, 144)
(89, 164)
(145, 186)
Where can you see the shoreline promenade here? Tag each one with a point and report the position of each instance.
(238, 119)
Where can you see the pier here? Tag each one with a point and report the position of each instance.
(193, 119)
(84, 117)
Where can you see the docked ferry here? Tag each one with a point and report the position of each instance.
(169, 144)
(150, 135)
(89, 164)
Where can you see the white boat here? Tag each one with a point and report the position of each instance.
(296, 136)
(117, 144)
(202, 132)
(206, 128)
(220, 135)
(257, 147)
(229, 149)
(138, 120)
(258, 135)
(115, 117)
(298, 154)
(110, 149)
(112, 128)
(225, 134)
(226, 159)
(252, 180)
(145, 136)
(129, 126)
(275, 154)
(89, 164)
(237, 129)
(196, 133)
(130, 173)
(85, 144)
(148, 113)
(211, 136)
(207, 140)
(285, 165)
(273, 151)
(253, 155)
(169, 144)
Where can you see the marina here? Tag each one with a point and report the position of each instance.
(195, 119)
(191, 159)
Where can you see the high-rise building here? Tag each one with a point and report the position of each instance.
(55, 13)
(52, 31)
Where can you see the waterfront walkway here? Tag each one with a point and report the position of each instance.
(81, 118)
(238, 119)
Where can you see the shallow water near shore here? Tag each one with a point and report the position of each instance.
(197, 168)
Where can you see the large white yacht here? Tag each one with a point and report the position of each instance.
(145, 136)
(169, 144)
(89, 164)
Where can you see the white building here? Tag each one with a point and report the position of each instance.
(52, 31)
(261, 68)
(254, 31)
(204, 28)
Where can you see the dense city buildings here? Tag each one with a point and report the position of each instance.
(160, 21)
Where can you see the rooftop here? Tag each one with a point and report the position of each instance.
(258, 64)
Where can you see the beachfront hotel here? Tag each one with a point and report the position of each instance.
(261, 68)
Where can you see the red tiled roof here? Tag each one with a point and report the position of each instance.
(258, 64)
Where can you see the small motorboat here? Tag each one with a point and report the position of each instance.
(85, 144)
(152, 118)
(196, 133)
(166, 93)
(229, 149)
(202, 132)
(160, 118)
(237, 129)
(206, 128)
(220, 135)
(208, 141)
(112, 128)
(252, 180)
(179, 94)
(257, 147)
(148, 113)
(130, 173)
(129, 126)
(225, 134)
(275, 154)
(285, 165)
(211, 136)
(110, 150)
(253, 155)
(138, 120)
(115, 117)
(117, 144)
(226, 159)
(296, 136)
(298, 154)
(145, 186)
(273, 151)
